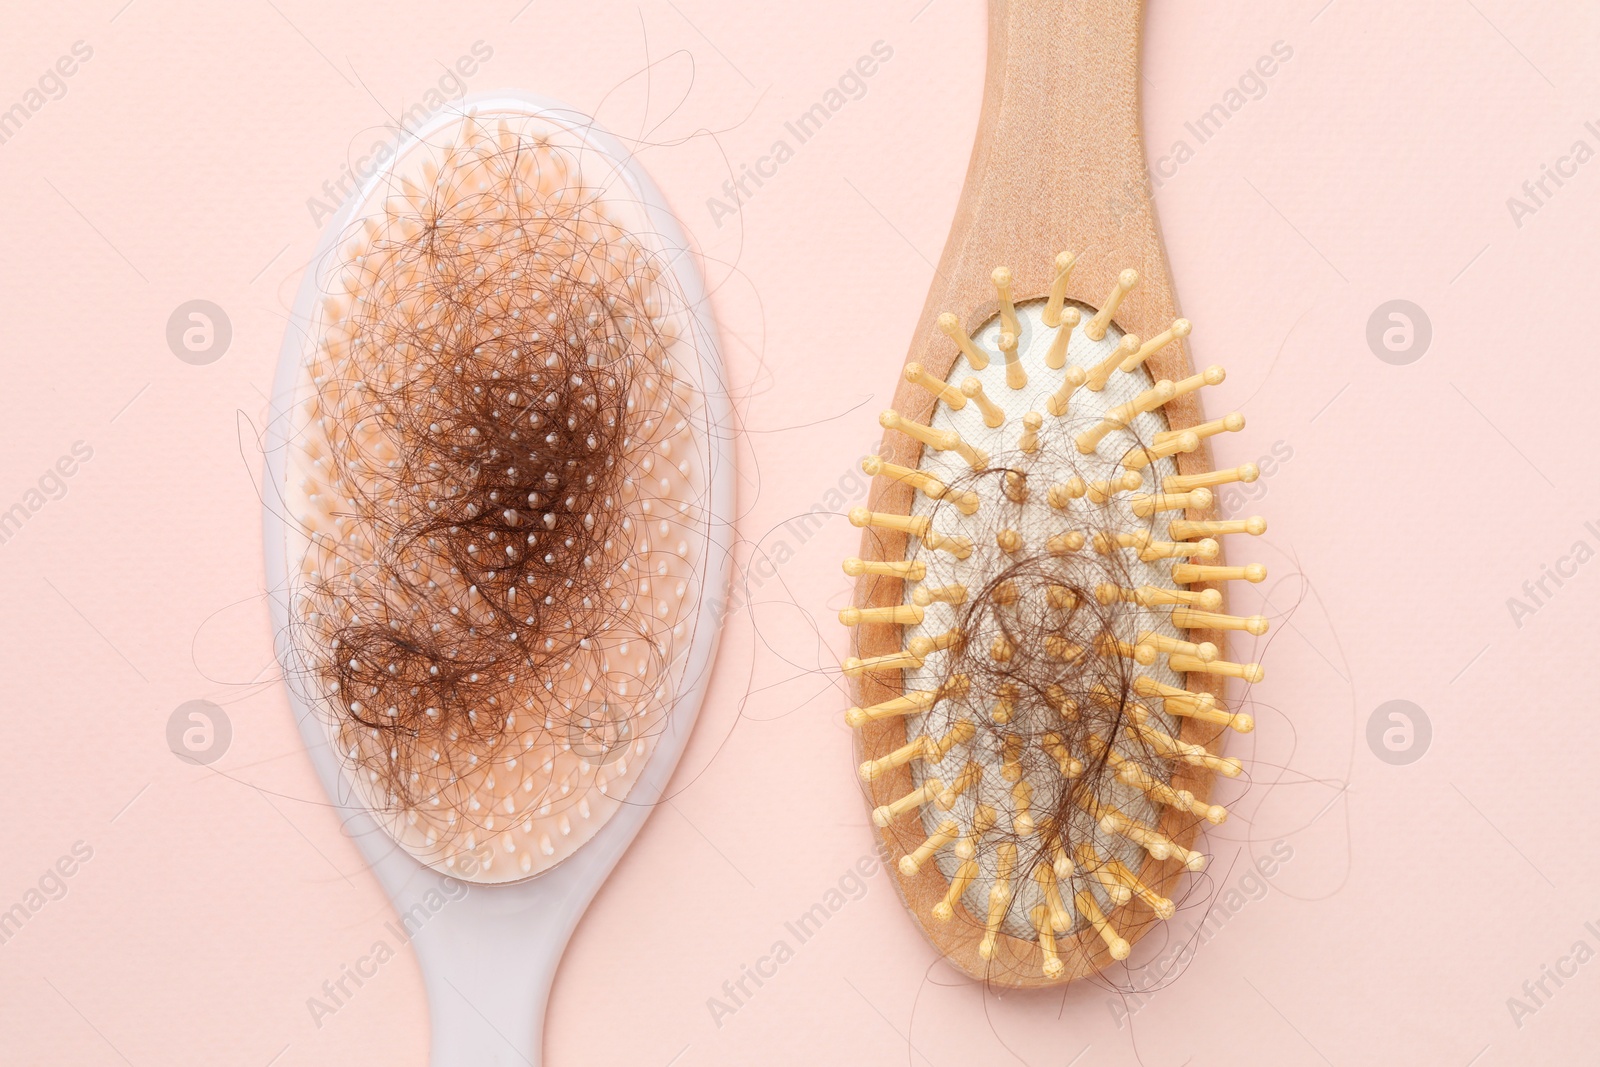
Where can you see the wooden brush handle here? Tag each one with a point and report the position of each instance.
(1058, 164)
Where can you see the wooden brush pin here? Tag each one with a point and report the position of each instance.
(1143, 456)
(1179, 329)
(1150, 596)
(1096, 328)
(993, 416)
(1016, 377)
(951, 325)
(1100, 373)
(947, 393)
(1058, 290)
(965, 500)
(1059, 400)
(1056, 357)
(1255, 526)
(1032, 422)
(1001, 277)
(910, 864)
(1230, 423)
(893, 661)
(914, 749)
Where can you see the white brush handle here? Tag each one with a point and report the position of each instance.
(490, 1015)
(485, 1016)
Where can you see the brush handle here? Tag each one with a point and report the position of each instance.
(1058, 164)
(489, 968)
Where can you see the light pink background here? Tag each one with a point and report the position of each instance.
(1418, 499)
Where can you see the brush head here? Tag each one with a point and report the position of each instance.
(1035, 707)
(497, 471)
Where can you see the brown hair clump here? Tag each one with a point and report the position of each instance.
(492, 488)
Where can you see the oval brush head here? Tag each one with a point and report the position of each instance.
(498, 475)
(1040, 634)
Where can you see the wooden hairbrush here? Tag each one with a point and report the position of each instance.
(1039, 648)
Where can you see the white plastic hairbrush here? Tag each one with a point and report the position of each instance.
(499, 509)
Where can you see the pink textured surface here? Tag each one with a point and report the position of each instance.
(1375, 165)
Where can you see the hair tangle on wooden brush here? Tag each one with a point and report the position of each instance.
(1040, 635)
